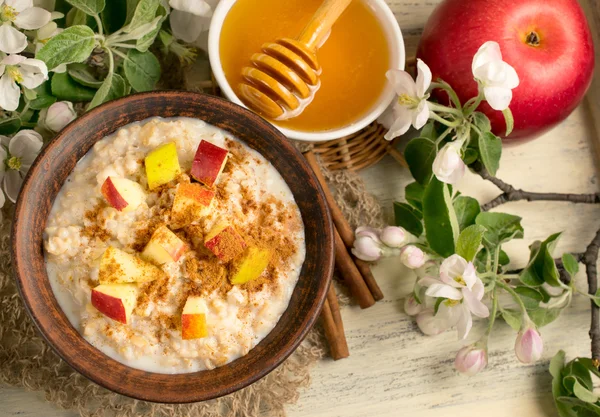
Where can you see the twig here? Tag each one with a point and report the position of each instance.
(590, 259)
(510, 193)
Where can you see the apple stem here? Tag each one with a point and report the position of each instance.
(510, 193)
(533, 39)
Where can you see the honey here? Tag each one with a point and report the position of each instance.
(354, 59)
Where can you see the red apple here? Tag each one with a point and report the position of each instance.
(122, 194)
(191, 202)
(164, 246)
(209, 162)
(115, 301)
(548, 42)
(224, 242)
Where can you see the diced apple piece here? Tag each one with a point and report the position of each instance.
(225, 242)
(209, 162)
(193, 319)
(115, 301)
(123, 194)
(191, 202)
(117, 267)
(164, 246)
(162, 165)
(250, 266)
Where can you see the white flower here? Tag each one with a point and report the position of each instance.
(462, 290)
(412, 257)
(432, 324)
(23, 148)
(411, 106)
(367, 245)
(189, 18)
(412, 307)
(16, 69)
(393, 236)
(529, 345)
(448, 165)
(59, 115)
(23, 15)
(471, 360)
(497, 78)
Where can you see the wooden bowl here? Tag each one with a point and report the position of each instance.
(44, 181)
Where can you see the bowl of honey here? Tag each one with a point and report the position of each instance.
(364, 43)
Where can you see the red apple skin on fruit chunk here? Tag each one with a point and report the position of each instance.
(118, 267)
(224, 242)
(192, 201)
(208, 163)
(115, 301)
(548, 42)
(164, 247)
(123, 194)
(193, 319)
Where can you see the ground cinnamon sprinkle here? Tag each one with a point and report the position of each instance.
(94, 230)
(209, 273)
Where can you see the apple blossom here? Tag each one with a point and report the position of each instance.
(58, 115)
(432, 324)
(23, 15)
(529, 344)
(412, 257)
(367, 245)
(497, 78)
(462, 290)
(393, 236)
(189, 18)
(411, 106)
(14, 70)
(23, 148)
(448, 165)
(471, 360)
(411, 306)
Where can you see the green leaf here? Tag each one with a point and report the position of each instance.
(438, 302)
(544, 316)
(583, 394)
(541, 267)
(570, 264)
(420, 154)
(579, 372)
(467, 209)
(81, 74)
(581, 408)
(469, 241)
(470, 156)
(114, 15)
(414, 195)
(77, 17)
(501, 227)
(74, 44)
(558, 391)
(441, 226)
(64, 88)
(429, 132)
(557, 363)
(513, 318)
(510, 121)
(589, 365)
(530, 297)
(113, 87)
(10, 126)
(481, 122)
(409, 218)
(142, 70)
(145, 12)
(44, 97)
(490, 151)
(91, 7)
(596, 298)
(146, 41)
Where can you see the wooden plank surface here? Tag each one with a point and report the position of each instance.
(393, 369)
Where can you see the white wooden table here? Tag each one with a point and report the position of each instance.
(395, 370)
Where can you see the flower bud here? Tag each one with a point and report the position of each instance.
(412, 257)
(393, 236)
(448, 165)
(59, 115)
(471, 360)
(430, 324)
(411, 306)
(367, 249)
(529, 345)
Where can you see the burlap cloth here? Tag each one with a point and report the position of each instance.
(27, 361)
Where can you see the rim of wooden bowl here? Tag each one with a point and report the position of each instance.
(45, 179)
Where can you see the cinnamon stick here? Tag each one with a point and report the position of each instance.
(344, 229)
(351, 274)
(334, 328)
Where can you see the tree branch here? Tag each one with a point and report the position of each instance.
(510, 193)
(590, 259)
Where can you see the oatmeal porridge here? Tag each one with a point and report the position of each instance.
(173, 247)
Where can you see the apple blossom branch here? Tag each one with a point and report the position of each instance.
(590, 260)
(510, 193)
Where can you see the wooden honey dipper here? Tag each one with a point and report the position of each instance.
(285, 76)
